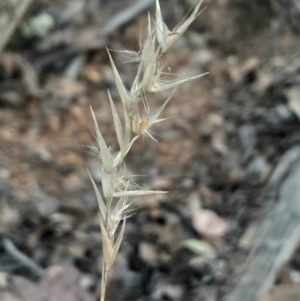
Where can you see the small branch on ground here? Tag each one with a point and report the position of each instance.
(11, 12)
(277, 234)
(21, 258)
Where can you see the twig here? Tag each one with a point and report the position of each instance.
(53, 56)
(21, 258)
(126, 15)
(11, 12)
(99, 42)
(278, 233)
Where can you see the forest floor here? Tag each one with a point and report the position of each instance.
(214, 155)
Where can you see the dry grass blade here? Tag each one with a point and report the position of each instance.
(166, 38)
(153, 116)
(136, 123)
(165, 85)
(181, 29)
(119, 84)
(101, 204)
(106, 180)
(160, 26)
(133, 193)
(119, 240)
(105, 154)
(107, 245)
(117, 123)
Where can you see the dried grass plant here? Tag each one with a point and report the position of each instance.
(117, 188)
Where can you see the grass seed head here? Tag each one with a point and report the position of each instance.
(138, 118)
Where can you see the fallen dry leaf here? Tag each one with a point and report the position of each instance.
(209, 224)
(58, 283)
(199, 247)
(148, 253)
(91, 73)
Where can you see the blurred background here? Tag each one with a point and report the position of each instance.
(215, 157)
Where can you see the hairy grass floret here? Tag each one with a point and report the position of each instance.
(138, 119)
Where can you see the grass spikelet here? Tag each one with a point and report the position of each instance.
(138, 119)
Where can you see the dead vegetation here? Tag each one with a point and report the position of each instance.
(215, 157)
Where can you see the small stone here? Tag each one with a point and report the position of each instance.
(202, 57)
(284, 113)
(295, 276)
(218, 144)
(87, 282)
(194, 202)
(42, 153)
(47, 206)
(70, 160)
(4, 174)
(77, 250)
(148, 253)
(257, 165)
(197, 262)
(72, 182)
(197, 40)
(236, 175)
(187, 183)
(161, 183)
(54, 123)
(63, 221)
(11, 98)
(167, 291)
(248, 140)
(212, 123)
(250, 65)
(259, 168)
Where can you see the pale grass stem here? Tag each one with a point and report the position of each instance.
(138, 118)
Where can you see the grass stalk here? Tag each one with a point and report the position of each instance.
(117, 186)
